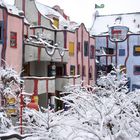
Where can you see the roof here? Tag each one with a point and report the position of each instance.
(46, 11)
(103, 22)
(11, 9)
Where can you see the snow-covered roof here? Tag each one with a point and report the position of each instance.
(12, 9)
(103, 22)
(47, 11)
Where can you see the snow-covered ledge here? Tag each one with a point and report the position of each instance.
(66, 80)
(41, 83)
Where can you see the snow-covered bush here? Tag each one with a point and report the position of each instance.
(107, 111)
(9, 88)
(10, 82)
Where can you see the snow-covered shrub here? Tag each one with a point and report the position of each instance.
(104, 112)
(10, 82)
(5, 123)
(9, 88)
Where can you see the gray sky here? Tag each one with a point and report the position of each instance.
(82, 10)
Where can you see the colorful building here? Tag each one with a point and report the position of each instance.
(51, 50)
(118, 41)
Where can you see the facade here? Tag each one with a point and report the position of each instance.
(11, 46)
(51, 50)
(117, 41)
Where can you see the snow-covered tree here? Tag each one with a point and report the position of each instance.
(9, 88)
(107, 111)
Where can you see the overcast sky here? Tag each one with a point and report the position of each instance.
(82, 10)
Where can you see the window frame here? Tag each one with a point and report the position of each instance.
(13, 37)
(134, 70)
(72, 70)
(121, 53)
(134, 52)
(86, 48)
(71, 47)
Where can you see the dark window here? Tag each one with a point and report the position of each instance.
(85, 48)
(1, 31)
(78, 70)
(79, 46)
(137, 70)
(92, 49)
(121, 52)
(84, 71)
(136, 50)
(72, 70)
(13, 39)
(109, 51)
(90, 73)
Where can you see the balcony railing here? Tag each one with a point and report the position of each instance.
(39, 85)
(63, 81)
(34, 52)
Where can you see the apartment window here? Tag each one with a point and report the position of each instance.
(71, 48)
(56, 22)
(109, 50)
(84, 71)
(121, 52)
(137, 70)
(79, 46)
(136, 51)
(1, 31)
(90, 73)
(92, 49)
(72, 70)
(78, 69)
(86, 48)
(13, 39)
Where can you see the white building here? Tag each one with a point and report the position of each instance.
(118, 42)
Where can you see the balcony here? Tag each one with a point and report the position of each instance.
(39, 85)
(65, 81)
(38, 49)
(38, 53)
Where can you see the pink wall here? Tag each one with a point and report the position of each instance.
(1, 14)
(14, 55)
(81, 35)
(71, 37)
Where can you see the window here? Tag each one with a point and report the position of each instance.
(84, 71)
(78, 70)
(137, 70)
(71, 48)
(79, 46)
(92, 51)
(109, 50)
(90, 73)
(1, 31)
(85, 48)
(136, 51)
(56, 22)
(13, 39)
(121, 52)
(72, 70)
